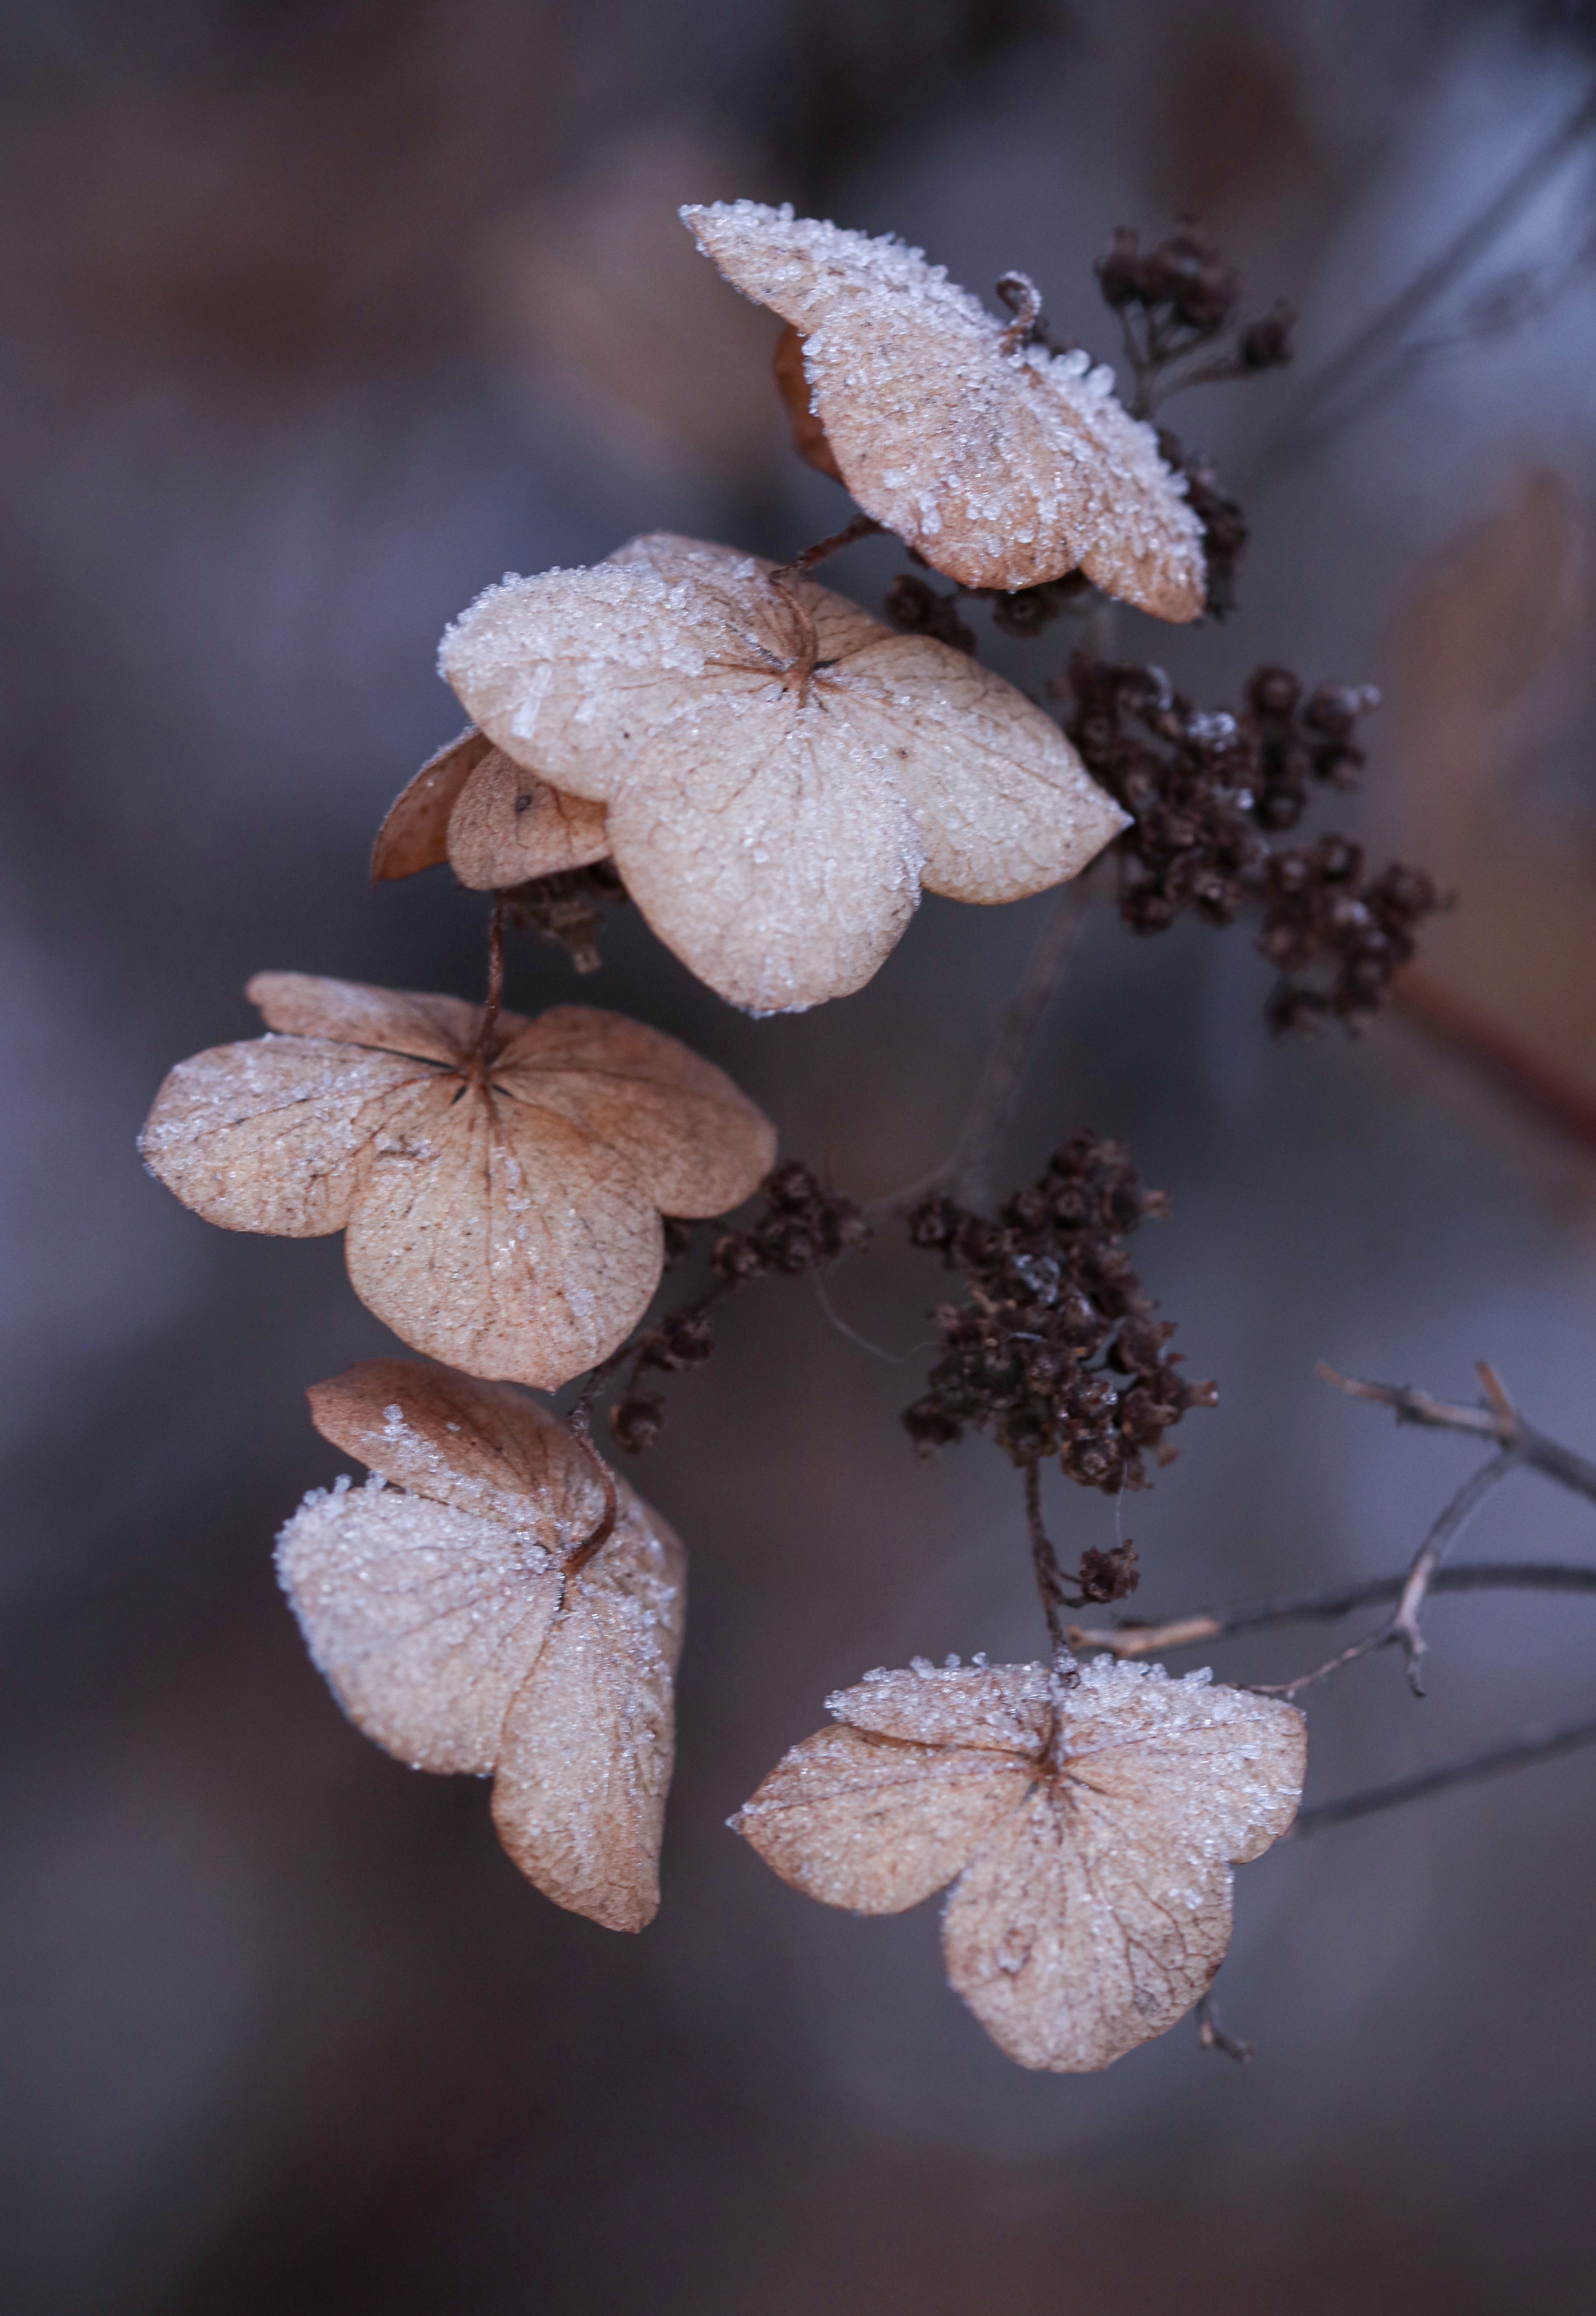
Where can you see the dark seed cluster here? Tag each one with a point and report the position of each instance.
(1206, 791)
(569, 909)
(802, 1226)
(1178, 300)
(1056, 1351)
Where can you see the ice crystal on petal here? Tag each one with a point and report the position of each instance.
(779, 772)
(458, 1629)
(502, 1206)
(1087, 1827)
(1003, 465)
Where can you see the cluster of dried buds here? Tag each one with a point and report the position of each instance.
(1206, 791)
(1056, 1352)
(772, 776)
(802, 1226)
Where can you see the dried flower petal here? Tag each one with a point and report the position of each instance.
(454, 1630)
(781, 772)
(502, 1206)
(495, 823)
(1003, 465)
(1091, 1822)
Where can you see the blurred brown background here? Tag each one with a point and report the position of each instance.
(319, 318)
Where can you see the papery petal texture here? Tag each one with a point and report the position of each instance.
(779, 772)
(466, 1628)
(1002, 465)
(502, 1202)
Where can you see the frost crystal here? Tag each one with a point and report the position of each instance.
(1000, 463)
(502, 1206)
(1088, 1828)
(446, 1614)
(780, 773)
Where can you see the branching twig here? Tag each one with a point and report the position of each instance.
(1500, 1420)
(1383, 334)
(1132, 1640)
(1523, 1753)
(863, 526)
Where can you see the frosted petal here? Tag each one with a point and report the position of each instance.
(854, 1820)
(1001, 469)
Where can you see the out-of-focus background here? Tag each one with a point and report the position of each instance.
(320, 317)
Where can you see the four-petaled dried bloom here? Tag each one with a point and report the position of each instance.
(501, 1181)
(1000, 463)
(781, 773)
(497, 1610)
(1089, 1822)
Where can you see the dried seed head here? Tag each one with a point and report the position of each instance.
(780, 772)
(1088, 1829)
(462, 1627)
(502, 1204)
(1000, 463)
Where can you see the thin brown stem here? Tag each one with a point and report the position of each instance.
(1402, 1629)
(1211, 2035)
(863, 526)
(577, 1560)
(965, 1173)
(1049, 1577)
(1021, 295)
(1499, 1421)
(1323, 1605)
(490, 1020)
(1535, 1745)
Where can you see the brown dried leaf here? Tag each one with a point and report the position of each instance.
(452, 1632)
(1003, 467)
(860, 1821)
(496, 825)
(502, 1208)
(792, 383)
(414, 835)
(780, 771)
(1092, 1824)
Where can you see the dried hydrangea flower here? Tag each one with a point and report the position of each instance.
(485, 1613)
(1088, 1825)
(495, 823)
(781, 773)
(500, 1182)
(1000, 463)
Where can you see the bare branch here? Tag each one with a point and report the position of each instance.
(1523, 1753)
(863, 526)
(1383, 333)
(1500, 1420)
(1050, 1576)
(1131, 1640)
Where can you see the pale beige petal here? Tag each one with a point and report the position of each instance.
(746, 607)
(768, 846)
(481, 1447)
(1004, 806)
(416, 834)
(503, 1241)
(276, 1134)
(396, 1021)
(1001, 1708)
(876, 1825)
(579, 1800)
(1001, 469)
(508, 827)
(1073, 1940)
(696, 1145)
(1217, 1767)
(572, 671)
(425, 1620)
